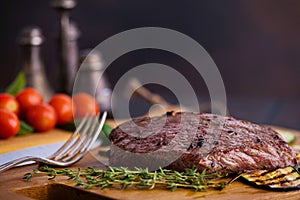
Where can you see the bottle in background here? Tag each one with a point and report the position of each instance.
(30, 41)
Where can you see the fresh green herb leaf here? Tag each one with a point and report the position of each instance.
(139, 178)
(104, 135)
(25, 128)
(27, 176)
(107, 129)
(70, 126)
(17, 85)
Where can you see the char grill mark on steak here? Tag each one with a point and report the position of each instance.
(241, 146)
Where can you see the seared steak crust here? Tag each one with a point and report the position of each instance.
(239, 147)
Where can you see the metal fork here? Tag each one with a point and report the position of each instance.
(74, 149)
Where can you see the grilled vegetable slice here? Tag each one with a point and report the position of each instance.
(296, 146)
(287, 136)
(283, 179)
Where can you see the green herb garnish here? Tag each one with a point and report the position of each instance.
(71, 126)
(17, 85)
(139, 178)
(25, 128)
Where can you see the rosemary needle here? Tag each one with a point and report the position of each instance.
(139, 178)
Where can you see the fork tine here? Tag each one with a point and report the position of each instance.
(62, 148)
(90, 132)
(77, 141)
(90, 138)
(82, 139)
(97, 132)
(87, 145)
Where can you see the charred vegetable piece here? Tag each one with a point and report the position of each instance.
(287, 136)
(296, 146)
(282, 179)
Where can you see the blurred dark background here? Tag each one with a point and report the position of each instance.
(255, 44)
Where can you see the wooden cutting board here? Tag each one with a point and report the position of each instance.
(13, 187)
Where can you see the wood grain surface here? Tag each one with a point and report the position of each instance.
(13, 187)
(21, 142)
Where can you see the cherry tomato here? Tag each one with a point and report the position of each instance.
(9, 102)
(9, 124)
(41, 116)
(28, 97)
(84, 103)
(62, 104)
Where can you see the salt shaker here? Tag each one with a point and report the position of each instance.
(30, 40)
(92, 67)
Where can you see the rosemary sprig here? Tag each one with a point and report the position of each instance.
(140, 178)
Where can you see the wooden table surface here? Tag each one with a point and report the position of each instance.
(13, 187)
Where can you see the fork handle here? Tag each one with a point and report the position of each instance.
(17, 161)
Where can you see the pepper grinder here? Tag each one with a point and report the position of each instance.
(68, 48)
(30, 41)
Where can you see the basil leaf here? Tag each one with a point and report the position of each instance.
(69, 126)
(24, 128)
(106, 129)
(17, 85)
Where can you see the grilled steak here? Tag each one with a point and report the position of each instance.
(238, 146)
